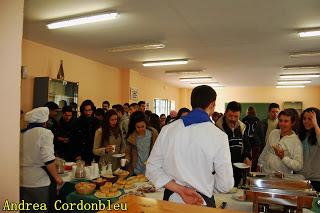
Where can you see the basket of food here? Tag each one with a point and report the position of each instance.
(85, 188)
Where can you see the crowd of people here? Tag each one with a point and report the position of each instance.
(285, 142)
(190, 152)
(92, 135)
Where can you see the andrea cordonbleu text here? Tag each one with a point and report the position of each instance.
(59, 205)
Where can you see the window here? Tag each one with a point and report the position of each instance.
(163, 106)
(172, 105)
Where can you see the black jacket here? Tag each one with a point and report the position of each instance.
(260, 133)
(83, 138)
(65, 130)
(240, 147)
(251, 123)
(52, 124)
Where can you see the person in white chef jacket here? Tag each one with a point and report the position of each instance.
(191, 156)
(36, 155)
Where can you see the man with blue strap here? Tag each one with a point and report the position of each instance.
(191, 157)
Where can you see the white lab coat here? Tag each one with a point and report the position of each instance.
(189, 155)
(36, 149)
(293, 154)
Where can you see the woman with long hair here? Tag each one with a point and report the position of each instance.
(109, 140)
(283, 151)
(296, 127)
(140, 141)
(154, 121)
(310, 138)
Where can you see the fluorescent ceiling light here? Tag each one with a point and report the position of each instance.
(83, 20)
(310, 33)
(293, 82)
(304, 54)
(290, 86)
(177, 72)
(302, 67)
(299, 76)
(205, 82)
(209, 84)
(195, 79)
(151, 46)
(165, 62)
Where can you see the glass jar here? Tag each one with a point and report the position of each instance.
(60, 165)
(80, 171)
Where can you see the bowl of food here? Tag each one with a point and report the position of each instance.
(121, 173)
(85, 188)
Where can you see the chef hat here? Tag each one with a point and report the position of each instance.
(37, 115)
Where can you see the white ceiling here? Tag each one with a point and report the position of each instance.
(239, 43)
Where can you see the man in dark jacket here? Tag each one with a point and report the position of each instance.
(53, 112)
(238, 142)
(84, 131)
(251, 121)
(64, 131)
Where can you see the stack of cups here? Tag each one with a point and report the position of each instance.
(73, 171)
(95, 170)
(89, 172)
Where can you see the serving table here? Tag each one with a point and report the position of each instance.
(67, 194)
(140, 204)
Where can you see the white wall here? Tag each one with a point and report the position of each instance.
(11, 21)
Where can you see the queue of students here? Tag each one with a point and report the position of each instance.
(185, 152)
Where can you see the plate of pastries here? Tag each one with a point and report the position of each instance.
(125, 184)
(108, 191)
(138, 179)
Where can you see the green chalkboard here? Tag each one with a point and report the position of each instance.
(261, 109)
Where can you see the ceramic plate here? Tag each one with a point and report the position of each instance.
(241, 165)
(118, 155)
(107, 176)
